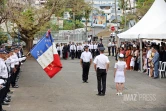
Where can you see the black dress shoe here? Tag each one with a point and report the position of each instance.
(6, 100)
(99, 94)
(102, 95)
(11, 92)
(16, 86)
(9, 97)
(5, 103)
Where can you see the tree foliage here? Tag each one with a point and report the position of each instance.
(3, 12)
(143, 6)
(28, 20)
(141, 9)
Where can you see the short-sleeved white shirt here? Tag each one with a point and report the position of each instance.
(120, 65)
(86, 56)
(3, 69)
(101, 61)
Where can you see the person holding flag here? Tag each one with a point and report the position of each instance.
(46, 55)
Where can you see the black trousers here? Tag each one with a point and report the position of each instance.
(59, 53)
(113, 50)
(79, 54)
(93, 53)
(109, 52)
(97, 52)
(72, 54)
(76, 54)
(136, 65)
(2, 94)
(86, 66)
(15, 75)
(8, 84)
(101, 80)
(12, 78)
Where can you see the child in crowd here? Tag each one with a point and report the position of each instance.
(119, 74)
(132, 63)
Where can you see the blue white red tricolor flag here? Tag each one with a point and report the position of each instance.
(46, 54)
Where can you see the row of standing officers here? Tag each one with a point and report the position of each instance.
(10, 62)
(75, 50)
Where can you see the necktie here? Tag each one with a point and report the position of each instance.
(7, 69)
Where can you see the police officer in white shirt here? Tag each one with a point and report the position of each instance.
(16, 69)
(85, 61)
(72, 50)
(101, 65)
(58, 50)
(79, 50)
(93, 49)
(2, 90)
(4, 74)
(109, 48)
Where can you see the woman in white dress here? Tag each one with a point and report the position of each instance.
(132, 63)
(119, 74)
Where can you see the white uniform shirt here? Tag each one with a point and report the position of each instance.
(8, 62)
(101, 61)
(109, 44)
(58, 48)
(79, 47)
(19, 54)
(2, 81)
(93, 46)
(15, 57)
(3, 69)
(112, 44)
(122, 45)
(86, 56)
(72, 47)
(149, 54)
(89, 38)
(83, 45)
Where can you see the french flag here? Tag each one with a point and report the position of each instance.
(46, 54)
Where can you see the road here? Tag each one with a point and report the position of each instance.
(66, 92)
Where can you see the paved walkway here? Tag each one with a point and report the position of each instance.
(66, 92)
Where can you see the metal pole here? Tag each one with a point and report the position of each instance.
(74, 24)
(92, 19)
(116, 21)
(125, 15)
(140, 40)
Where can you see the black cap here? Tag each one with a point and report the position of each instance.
(86, 46)
(101, 48)
(2, 52)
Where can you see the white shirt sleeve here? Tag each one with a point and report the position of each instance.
(95, 61)
(115, 65)
(90, 56)
(82, 55)
(108, 60)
